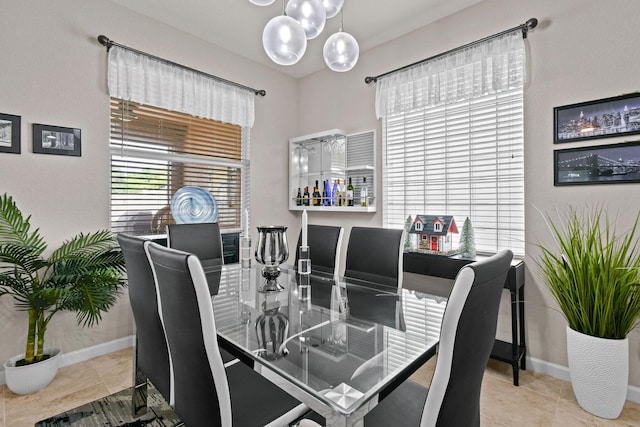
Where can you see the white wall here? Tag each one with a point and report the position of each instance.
(54, 72)
(582, 50)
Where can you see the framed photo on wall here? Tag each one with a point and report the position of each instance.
(9, 133)
(603, 118)
(602, 164)
(56, 140)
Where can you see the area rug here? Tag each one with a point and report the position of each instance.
(115, 411)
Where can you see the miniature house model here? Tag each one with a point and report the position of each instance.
(434, 233)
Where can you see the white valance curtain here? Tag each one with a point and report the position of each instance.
(485, 68)
(136, 77)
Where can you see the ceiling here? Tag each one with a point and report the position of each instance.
(237, 25)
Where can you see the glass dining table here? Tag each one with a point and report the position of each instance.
(339, 345)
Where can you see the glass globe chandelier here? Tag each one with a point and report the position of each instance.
(310, 14)
(341, 51)
(285, 37)
(332, 7)
(284, 40)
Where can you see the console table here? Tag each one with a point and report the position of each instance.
(513, 352)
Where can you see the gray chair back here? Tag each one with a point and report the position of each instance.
(201, 391)
(201, 239)
(151, 345)
(375, 254)
(467, 336)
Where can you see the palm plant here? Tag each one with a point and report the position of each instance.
(594, 274)
(84, 275)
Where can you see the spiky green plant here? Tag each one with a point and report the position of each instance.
(594, 273)
(84, 275)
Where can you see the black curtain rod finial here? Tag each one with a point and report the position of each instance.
(531, 23)
(104, 41)
(368, 80)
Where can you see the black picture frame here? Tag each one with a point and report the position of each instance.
(602, 118)
(58, 140)
(9, 133)
(601, 164)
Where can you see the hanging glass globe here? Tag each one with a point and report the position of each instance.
(284, 40)
(341, 51)
(332, 7)
(262, 2)
(310, 14)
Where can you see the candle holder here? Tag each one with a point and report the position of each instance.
(304, 260)
(245, 252)
(304, 274)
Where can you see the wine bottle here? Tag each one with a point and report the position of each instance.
(349, 193)
(363, 192)
(305, 196)
(316, 195)
(334, 194)
(326, 194)
(339, 194)
(299, 198)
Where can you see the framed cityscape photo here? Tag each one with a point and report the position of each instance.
(603, 118)
(602, 164)
(56, 140)
(9, 133)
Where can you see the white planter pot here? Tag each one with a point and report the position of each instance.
(599, 370)
(31, 378)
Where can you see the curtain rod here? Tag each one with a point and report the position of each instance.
(530, 24)
(108, 43)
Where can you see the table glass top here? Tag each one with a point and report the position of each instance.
(341, 340)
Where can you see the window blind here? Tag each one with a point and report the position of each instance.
(463, 159)
(155, 152)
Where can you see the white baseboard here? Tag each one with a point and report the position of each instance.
(83, 354)
(562, 372)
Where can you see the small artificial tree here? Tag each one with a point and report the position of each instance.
(467, 243)
(84, 275)
(407, 236)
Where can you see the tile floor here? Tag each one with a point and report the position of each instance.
(540, 400)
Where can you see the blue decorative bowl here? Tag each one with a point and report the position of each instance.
(193, 204)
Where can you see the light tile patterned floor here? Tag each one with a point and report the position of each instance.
(539, 401)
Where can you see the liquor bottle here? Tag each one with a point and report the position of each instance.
(349, 193)
(326, 194)
(339, 194)
(299, 198)
(305, 196)
(316, 195)
(334, 194)
(363, 192)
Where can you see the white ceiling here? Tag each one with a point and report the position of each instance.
(237, 25)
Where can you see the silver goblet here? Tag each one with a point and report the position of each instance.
(272, 250)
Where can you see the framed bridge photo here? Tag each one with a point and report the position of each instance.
(602, 164)
(617, 116)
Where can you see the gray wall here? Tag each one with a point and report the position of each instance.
(54, 72)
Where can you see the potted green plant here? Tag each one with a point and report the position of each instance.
(594, 275)
(84, 275)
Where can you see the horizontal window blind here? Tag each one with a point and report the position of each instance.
(463, 159)
(155, 152)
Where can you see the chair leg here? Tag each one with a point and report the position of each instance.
(139, 389)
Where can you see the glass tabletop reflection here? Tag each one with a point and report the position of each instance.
(340, 340)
